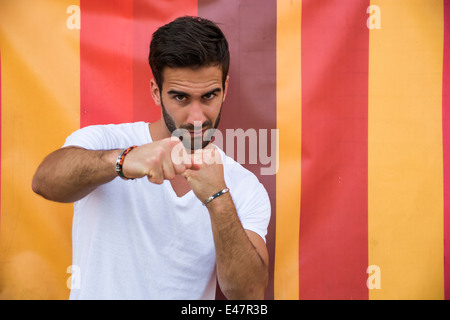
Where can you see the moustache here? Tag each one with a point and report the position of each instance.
(191, 127)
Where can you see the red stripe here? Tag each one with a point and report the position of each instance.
(106, 61)
(446, 146)
(148, 16)
(114, 44)
(250, 28)
(333, 245)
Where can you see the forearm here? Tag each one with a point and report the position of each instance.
(69, 174)
(241, 270)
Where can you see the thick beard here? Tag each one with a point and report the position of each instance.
(193, 143)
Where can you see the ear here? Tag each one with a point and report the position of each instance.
(156, 94)
(226, 88)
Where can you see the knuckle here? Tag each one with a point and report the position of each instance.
(151, 162)
(170, 175)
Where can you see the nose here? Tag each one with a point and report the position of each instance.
(196, 114)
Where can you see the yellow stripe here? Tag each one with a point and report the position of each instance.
(289, 124)
(40, 107)
(405, 150)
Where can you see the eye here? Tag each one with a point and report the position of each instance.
(209, 96)
(179, 98)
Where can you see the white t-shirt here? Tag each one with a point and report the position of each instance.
(138, 240)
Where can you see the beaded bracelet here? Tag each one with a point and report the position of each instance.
(119, 162)
(215, 196)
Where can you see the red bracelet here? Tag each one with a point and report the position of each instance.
(119, 162)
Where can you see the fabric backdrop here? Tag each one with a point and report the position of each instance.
(357, 93)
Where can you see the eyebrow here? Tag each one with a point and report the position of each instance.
(181, 93)
(213, 91)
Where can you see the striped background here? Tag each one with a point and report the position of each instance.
(363, 118)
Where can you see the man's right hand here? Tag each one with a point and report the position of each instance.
(69, 174)
(159, 160)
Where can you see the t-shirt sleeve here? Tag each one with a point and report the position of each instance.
(252, 204)
(91, 138)
(107, 137)
(255, 212)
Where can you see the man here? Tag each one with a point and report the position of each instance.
(200, 217)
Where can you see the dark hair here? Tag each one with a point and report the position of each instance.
(188, 42)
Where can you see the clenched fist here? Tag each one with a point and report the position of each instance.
(159, 160)
(206, 173)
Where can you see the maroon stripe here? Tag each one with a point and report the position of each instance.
(250, 27)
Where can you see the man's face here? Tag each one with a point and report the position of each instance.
(191, 100)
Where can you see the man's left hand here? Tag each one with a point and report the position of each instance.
(206, 175)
